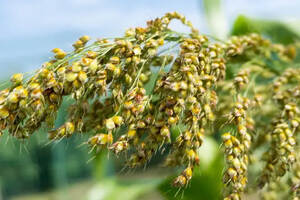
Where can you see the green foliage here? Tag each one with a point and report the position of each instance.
(115, 189)
(206, 182)
(37, 165)
(215, 18)
(276, 31)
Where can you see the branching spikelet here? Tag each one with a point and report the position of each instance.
(281, 155)
(129, 106)
(237, 147)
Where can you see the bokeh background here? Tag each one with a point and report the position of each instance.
(35, 169)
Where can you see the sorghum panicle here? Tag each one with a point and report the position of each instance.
(117, 101)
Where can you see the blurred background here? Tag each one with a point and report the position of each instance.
(35, 169)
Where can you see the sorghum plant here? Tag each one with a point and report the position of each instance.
(130, 93)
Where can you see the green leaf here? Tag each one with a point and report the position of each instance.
(114, 189)
(276, 31)
(206, 182)
(215, 18)
(103, 166)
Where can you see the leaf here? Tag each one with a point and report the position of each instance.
(103, 166)
(215, 18)
(276, 31)
(206, 182)
(114, 189)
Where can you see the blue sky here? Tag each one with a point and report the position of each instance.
(31, 28)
